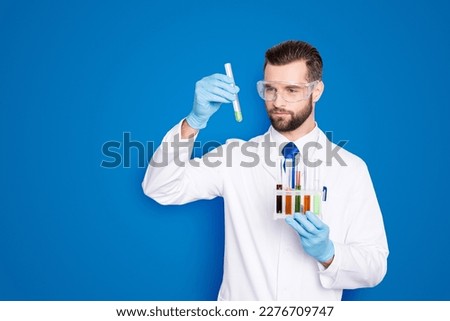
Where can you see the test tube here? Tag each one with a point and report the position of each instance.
(307, 196)
(297, 188)
(236, 105)
(316, 197)
(279, 190)
(288, 208)
(307, 203)
(279, 200)
(288, 199)
(316, 203)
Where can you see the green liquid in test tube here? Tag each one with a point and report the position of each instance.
(317, 196)
(316, 204)
(297, 188)
(236, 105)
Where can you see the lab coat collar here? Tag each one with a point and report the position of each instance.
(279, 139)
(314, 136)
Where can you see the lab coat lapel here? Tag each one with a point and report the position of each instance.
(269, 158)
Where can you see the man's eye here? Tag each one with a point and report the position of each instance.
(292, 90)
(270, 89)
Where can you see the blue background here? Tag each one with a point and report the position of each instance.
(77, 74)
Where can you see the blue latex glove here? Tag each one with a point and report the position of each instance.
(314, 235)
(210, 93)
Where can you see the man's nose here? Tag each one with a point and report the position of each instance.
(279, 101)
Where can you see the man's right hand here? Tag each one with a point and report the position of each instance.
(210, 93)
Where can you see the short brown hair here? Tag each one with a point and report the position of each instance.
(290, 51)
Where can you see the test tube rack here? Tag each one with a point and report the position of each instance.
(288, 202)
(297, 189)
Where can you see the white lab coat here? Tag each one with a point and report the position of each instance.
(264, 258)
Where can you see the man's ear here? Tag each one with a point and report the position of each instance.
(318, 90)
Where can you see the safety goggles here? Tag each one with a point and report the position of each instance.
(290, 92)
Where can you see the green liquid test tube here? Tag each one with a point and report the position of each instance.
(236, 105)
(297, 203)
(238, 116)
(316, 204)
(298, 197)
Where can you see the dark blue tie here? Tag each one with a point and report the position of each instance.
(289, 152)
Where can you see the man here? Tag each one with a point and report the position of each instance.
(309, 258)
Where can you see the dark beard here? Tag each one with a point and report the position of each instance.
(294, 122)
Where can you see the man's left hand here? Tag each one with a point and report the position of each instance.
(314, 235)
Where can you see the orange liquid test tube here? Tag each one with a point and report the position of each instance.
(307, 205)
(288, 208)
